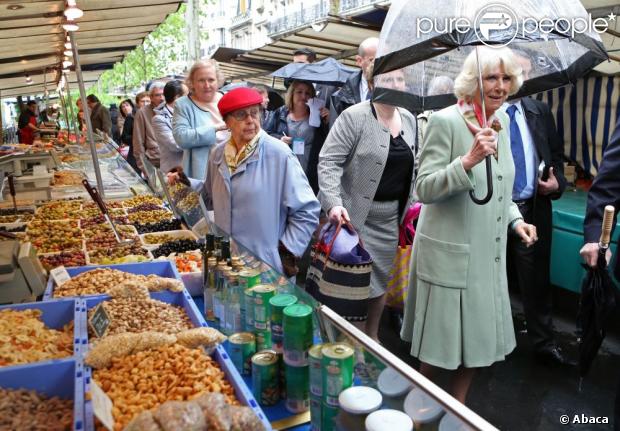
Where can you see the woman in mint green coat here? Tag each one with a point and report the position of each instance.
(457, 315)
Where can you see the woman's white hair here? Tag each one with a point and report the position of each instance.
(466, 83)
(204, 64)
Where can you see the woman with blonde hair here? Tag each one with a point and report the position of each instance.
(197, 124)
(458, 315)
(291, 124)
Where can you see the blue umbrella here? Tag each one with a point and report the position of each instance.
(328, 71)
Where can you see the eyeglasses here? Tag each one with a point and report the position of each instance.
(241, 115)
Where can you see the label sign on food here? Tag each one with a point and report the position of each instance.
(102, 405)
(100, 320)
(60, 275)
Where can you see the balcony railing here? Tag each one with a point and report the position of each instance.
(305, 16)
(242, 18)
(347, 6)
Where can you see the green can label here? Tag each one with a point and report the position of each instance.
(262, 312)
(248, 278)
(337, 371)
(297, 389)
(247, 311)
(263, 340)
(242, 348)
(315, 413)
(315, 358)
(265, 378)
(329, 416)
(297, 326)
(278, 303)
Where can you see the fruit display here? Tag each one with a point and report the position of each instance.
(159, 226)
(66, 258)
(142, 199)
(23, 409)
(161, 238)
(51, 236)
(24, 338)
(118, 254)
(107, 239)
(189, 202)
(68, 178)
(125, 231)
(10, 211)
(144, 207)
(99, 219)
(9, 218)
(94, 211)
(59, 210)
(109, 204)
(149, 216)
(176, 246)
(190, 261)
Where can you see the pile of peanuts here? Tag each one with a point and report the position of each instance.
(146, 379)
(134, 314)
(93, 282)
(28, 410)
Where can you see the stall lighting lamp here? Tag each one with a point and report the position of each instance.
(28, 79)
(73, 12)
(66, 64)
(67, 45)
(69, 25)
(68, 52)
(65, 71)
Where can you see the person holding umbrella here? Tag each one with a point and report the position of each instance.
(458, 315)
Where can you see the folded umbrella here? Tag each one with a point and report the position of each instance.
(328, 71)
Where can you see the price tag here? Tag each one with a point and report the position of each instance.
(298, 146)
(100, 320)
(102, 405)
(60, 275)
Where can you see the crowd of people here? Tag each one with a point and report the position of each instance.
(271, 177)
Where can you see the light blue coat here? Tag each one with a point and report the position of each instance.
(268, 199)
(194, 131)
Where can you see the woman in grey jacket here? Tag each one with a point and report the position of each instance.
(170, 154)
(366, 175)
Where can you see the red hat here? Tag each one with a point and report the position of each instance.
(238, 98)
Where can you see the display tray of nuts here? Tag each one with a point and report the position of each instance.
(68, 178)
(23, 409)
(53, 236)
(65, 258)
(109, 204)
(120, 253)
(99, 220)
(106, 239)
(142, 199)
(158, 238)
(59, 210)
(154, 216)
(92, 212)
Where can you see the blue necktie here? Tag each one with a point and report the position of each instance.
(518, 154)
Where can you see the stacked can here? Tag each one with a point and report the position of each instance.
(297, 327)
(242, 349)
(247, 279)
(337, 367)
(262, 315)
(265, 378)
(316, 385)
(278, 303)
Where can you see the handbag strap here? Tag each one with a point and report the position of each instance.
(341, 223)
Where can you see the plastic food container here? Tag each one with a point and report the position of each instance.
(356, 403)
(394, 388)
(451, 423)
(174, 234)
(424, 410)
(391, 420)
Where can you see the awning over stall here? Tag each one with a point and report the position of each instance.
(32, 39)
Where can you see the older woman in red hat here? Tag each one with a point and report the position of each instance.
(257, 188)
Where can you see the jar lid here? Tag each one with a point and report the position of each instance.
(391, 383)
(422, 408)
(388, 419)
(359, 400)
(451, 423)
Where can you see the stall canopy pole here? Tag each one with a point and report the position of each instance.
(63, 104)
(76, 125)
(89, 125)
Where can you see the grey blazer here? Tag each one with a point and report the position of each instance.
(352, 159)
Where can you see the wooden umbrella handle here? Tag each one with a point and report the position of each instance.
(608, 219)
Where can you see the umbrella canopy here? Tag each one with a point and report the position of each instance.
(598, 301)
(428, 44)
(328, 71)
(275, 99)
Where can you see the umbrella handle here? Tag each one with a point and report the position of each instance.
(608, 220)
(489, 194)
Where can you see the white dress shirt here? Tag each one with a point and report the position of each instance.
(363, 89)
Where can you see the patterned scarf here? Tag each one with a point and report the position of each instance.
(472, 114)
(235, 158)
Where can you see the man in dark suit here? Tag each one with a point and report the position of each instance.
(539, 178)
(323, 91)
(605, 190)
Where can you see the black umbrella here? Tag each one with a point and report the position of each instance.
(275, 100)
(428, 42)
(598, 301)
(328, 71)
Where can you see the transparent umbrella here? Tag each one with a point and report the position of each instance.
(424, 43)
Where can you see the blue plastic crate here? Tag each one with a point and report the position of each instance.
(183, 299)
(160, 268)
(62, 378)
(56, 314)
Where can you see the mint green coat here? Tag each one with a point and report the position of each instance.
(458, 310)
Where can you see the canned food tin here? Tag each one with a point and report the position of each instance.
(337, 371)
(315, 358)
(265, 377)
(242, 348)
(262, 313)
(297, 394)
(329, 416)
(263, 340)
(315, 413)
(297, 326)
(248, 278)
(247, 310)
(282, 376)
(278, 303)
